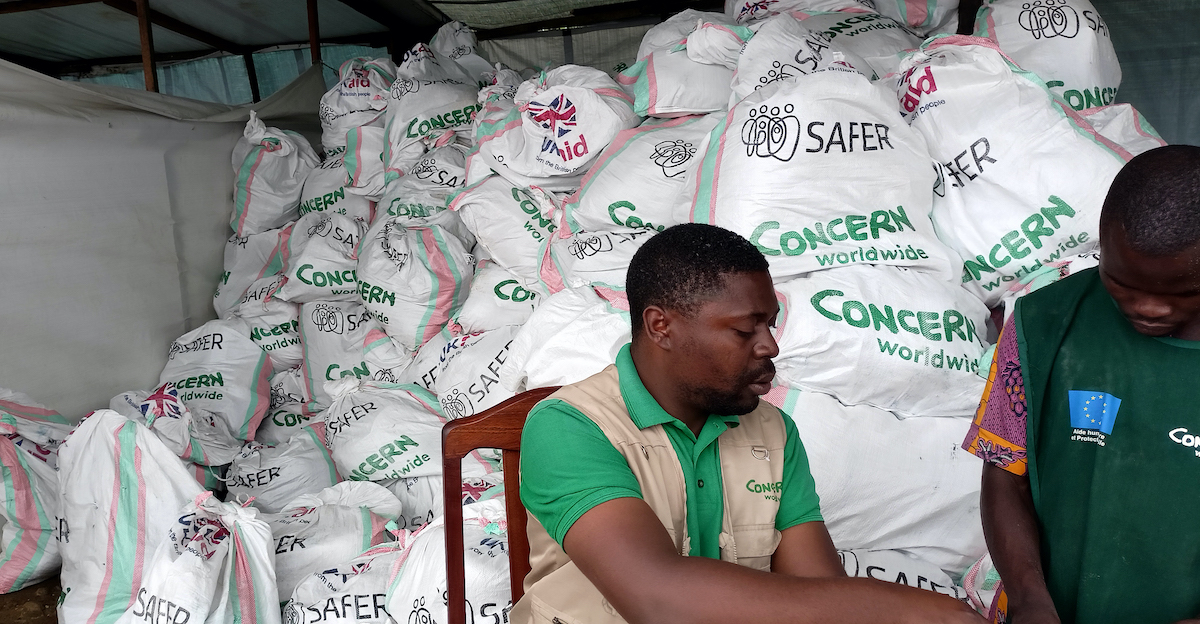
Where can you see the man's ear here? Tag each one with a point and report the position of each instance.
(656, 323)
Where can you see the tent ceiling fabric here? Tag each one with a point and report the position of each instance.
(97, 30)
(105, 30)
(485, 14)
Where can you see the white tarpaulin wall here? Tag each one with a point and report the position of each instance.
(114, 211)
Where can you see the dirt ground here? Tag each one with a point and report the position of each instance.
(32, 605)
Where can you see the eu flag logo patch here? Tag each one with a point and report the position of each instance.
(1094, 411)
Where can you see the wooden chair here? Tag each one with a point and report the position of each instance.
(499, 427)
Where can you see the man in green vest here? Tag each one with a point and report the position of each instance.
(1090, 423)
(664, 490)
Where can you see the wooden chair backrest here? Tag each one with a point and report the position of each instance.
(500, 428)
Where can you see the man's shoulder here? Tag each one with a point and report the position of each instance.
(1063, 295)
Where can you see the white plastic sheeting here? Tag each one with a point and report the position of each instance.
(114, 209)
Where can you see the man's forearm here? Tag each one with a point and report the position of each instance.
(690, 593)
(1011, 531)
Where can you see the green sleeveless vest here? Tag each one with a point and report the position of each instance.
(1114, 457)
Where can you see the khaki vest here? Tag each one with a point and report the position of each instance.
(751, 471)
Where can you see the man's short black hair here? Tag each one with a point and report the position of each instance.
(682, 266)
(1156, 200)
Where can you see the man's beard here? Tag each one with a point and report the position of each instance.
(727, 402)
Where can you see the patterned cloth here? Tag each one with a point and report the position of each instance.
(997, 435)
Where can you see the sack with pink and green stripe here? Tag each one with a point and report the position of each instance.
(359, 98)
(215, 564)
(635, 181)
(380, 431)
(413, 279)
(29, 439)
(1124, 125)
(217, 368)
(270, 477)
(923, 17)
(1010, 198)
(248, 259)
(317, 530)
(270, 166)
(563, 119)
(119, 489)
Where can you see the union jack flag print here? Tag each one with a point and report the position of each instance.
(558, 116)
(164, 402)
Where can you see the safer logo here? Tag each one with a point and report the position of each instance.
(771, 132)
(1046, 19)
(672, 155)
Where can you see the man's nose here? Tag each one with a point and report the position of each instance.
(1150, 308)
(767, 348)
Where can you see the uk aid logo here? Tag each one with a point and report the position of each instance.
(1093, 415)
(560, 117)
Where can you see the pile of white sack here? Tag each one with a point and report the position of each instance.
(463, 236)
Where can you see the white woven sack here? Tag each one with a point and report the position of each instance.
(423, 500)
(333, 335)
(670, 83)
(1011, 198)
(562, 120)
(891, 483)
(878, 39)
(359, 98)
(247, 259)
(1065, 42)
(29, 438)
(1124, 125)
(744, 11)
(417, 587)
(423, 370)
(22, 416)
(432, 94)
(901, 568)
(923, 17)
(785, 49)
(413, 279)
(197, 436)
(381, 431)
(1049, 273)
(333, 525)
(319, 258)
(634, 182)
(288, 386)
(497, 299)
(457, 41)
(385, 357)
(469, 380)
(675, 30)
(275, 475)
(283, 422)
(117, 482)
(573, 335)
(426, 186)
(821, 172)
(218, 369)
(510, 222)
(325, 191)
(588, 258)
(347, 592)
(214, 565)
(274, 323)
(270, 165)
(888, 337)
(363, 161)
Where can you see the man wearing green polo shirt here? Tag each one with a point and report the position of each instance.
(664, 490)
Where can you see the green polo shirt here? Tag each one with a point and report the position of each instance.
(568, 466)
